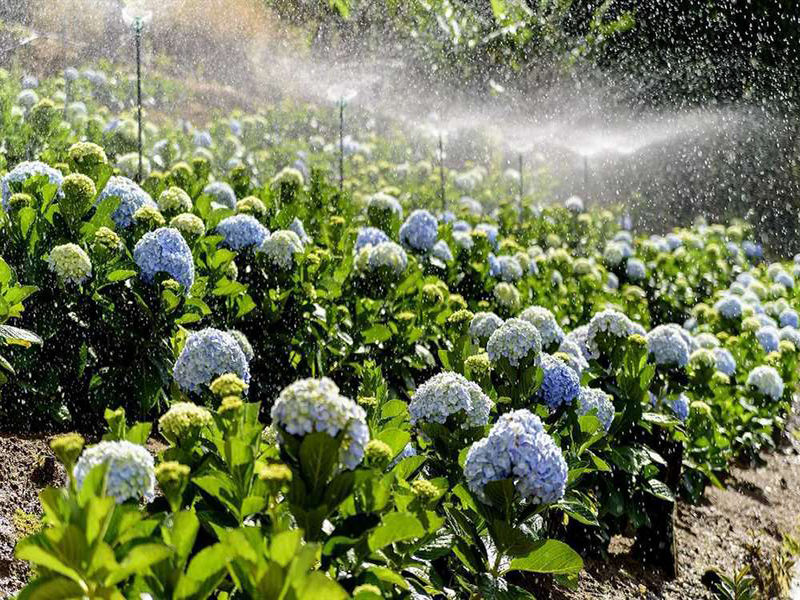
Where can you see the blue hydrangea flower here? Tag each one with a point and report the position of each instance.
(131, 198)
(242, 231)
(611, 324)
(447, 394)
(571, 348)
(561, 385)
(579, 336)
(791, 334)
(706, 340)
(518, 448)
(202, 139)
(784, 279)
(165, 251)
(462, 226)
(544, 320)
(635, 269)
(206, 355)
(752, 250)
(768, 337)
(674, 241)
(729, 307)
(371, 236)
(680, 406)
(316, 406)
(235, 127)
(668, 347)
(725, 362)
(131, 470)
(420, 230)
(463, 240)
(505, 268)
(221, 193)
(442, 251)
(767, 381)
(491, 232)
(483, 325)
(515, 340)
(597, 401)
(24, 171)
(297, 226)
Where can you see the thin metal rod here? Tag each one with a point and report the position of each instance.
(521, 181)
(586, 177)
(66, 62)
(139, 93)
(341, 146)
(441, 170)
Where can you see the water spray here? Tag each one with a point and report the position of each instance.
(341, 145)
(441, 170)
(138, 21)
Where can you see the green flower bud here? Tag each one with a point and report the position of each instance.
(173, 477)
(637, 341)
(148, 217)
(67, 448)
(378, 453)
(367, 401)
(78, 192)
(460, 317)
(191, 226)
(479, 364)
(457, 302)
(424, 490)
(183, 421)
(251, 206)
(719, 378)
(786, 347)
(275, 473)
(18, 201)
(230, 406)
(87, 157)
(229, 384)
(174, 200)
(106, 240)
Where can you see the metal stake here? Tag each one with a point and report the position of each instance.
(341, 145)
(521, 182)
(138, 27)
(441, 170)
(586, 177)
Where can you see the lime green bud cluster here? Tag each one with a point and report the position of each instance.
(148, 217)
(251, 206)
(183, 421)
(378, 453)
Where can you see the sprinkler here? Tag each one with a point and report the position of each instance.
(441, 170)
(138, 21)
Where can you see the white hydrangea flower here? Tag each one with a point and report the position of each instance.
(609, 322)
(514, 340)
(544, 320)
(280, 248)
(767, 381)
(667, 346)
(71, 263)
(131, 469)
(449, 394)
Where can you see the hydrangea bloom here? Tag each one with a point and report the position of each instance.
(420, 230)
(244, 343)
(725, 362)
(165, 251)
(202, 139)
(483, 325)
(242, 231)
(784, 279)
(613, 254)
(635, 269)
(297, 226)
(280, 248)
(371, 236)
(596, 400)
(131, 472)
(560, 384)
(449, 394)
(680, 406)
(382, 205)
(386, 256)
(610, 323)
(463, 239)
(174, 200)
(706, 340)
(570, 347)
(315, 405)
(544, 320)
(506, 295)
(24, 171)
(207, 354)
(579, 336)
(515, 340)
(289, 176)
(767, 381)
(768, 337)
(752, 250)
(674, 241)
(668, 347)
(518, 448)
(27, 98)
(131, 198)
(182, 420)
(490, 231)
(221, 193)
(71, 263)
(729, 307)
(189, 224)
(505, 268)
(442, 251)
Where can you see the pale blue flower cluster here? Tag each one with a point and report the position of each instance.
(515, 340)
(544, 320)
(752, 250)
(767, 381)
(674, 241)
(783, 278)
(442, 251)
(505, 268)
(491, 233)
(206, 355)
(387, 255)
(574, 204)
(788, 318)
(706, 340)
(131, 471)
(165, 251)
(316, 406)
(560, 385)
(577, 361)
(725, 362)
(613, 254)
(131, 198)
(420, 230)
(483, 325)
(244, 344)
(594, 400)
(729, 307)
(518, 448)
(221, 193)
(680, 406)
(202, 139)
(463, 239)
(371, 236)
(280, 248)
(635, 269)
(608, 323)
(667, 346)
(242, 231)
(447, 394)
(768, 337)
(792, 335)
(297, 226)
(24, 171)
(579, 336)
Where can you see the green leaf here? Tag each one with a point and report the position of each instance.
(319, 454)
(377, 333)
(660, 490)
(283, 547)
(52, 587)
(549, 556)
(139, 433)
(318, 585)
(206, 571)
(138, 561)
(395, 527)
(21, 337)
(120, 275)
(395, 438)
(387, 575)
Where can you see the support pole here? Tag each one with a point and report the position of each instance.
(521, 182)
(341, 145)
(138, 26)
(441, 170)
(586, 177)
